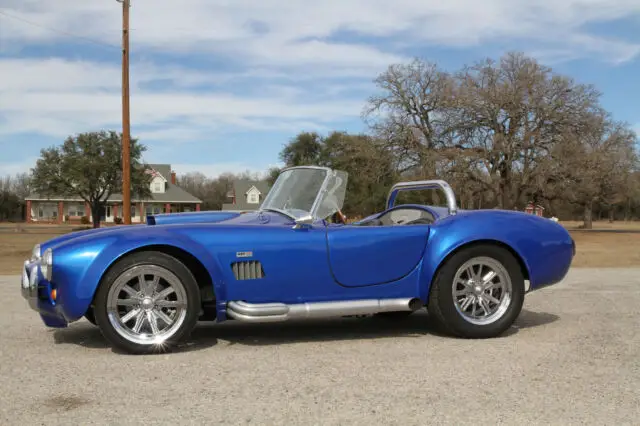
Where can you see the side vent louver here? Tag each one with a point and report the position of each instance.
(247, 270)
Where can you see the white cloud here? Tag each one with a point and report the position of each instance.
(58, 97)
(271, 31)
(284, 59)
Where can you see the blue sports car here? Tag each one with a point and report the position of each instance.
(146, 286)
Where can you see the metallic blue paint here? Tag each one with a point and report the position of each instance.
(191, 217)
(363, 255)
(323, 262)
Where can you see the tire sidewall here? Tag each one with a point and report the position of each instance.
(147, 258)
(446, 304)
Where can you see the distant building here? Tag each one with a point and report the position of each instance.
(246, 195)
(536, 209)
(166, 197)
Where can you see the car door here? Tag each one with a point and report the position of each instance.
(274, 263)
(368, 255)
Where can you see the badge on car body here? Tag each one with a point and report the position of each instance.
(244, 254)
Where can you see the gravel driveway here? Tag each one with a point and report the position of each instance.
(573, 358)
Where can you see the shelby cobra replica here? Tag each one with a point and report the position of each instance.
(146, 286)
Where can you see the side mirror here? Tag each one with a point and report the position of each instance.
(303, 222)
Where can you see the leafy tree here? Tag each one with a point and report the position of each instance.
(304, 149)
(370, 166)
(10, 205)
(370, 169)
(89, 166)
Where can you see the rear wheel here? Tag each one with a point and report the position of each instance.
(148, 302)
(478, 293)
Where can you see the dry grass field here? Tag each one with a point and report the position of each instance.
(595, 249)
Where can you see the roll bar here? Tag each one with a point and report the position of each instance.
(424, 184)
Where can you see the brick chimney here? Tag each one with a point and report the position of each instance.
(173, 178)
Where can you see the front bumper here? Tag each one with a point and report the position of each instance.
(37, 291)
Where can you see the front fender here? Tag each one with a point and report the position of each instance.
(544, 247)
(80, 265)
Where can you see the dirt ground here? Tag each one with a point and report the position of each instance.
(594, 249)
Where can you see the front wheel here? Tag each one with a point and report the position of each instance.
(478, 293)
(148, 302)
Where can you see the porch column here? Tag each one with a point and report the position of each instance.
(167, 208)
(28, 212)
(141, 213)
(114, 213)
(60, 212)
(197, 207)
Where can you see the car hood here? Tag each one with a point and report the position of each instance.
(192, 217)
(168, 220)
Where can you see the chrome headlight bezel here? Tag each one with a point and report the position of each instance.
(36, 252)
(47, 264)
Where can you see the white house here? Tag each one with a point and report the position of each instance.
(166, 197)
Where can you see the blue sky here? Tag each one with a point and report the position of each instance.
(221, 85)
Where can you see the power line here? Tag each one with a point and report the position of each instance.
(35, 24)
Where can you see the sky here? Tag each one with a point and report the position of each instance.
(221, 85)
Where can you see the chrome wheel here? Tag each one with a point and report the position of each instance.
(147, 304)
(482, 290)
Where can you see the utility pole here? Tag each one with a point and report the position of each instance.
(126, 131)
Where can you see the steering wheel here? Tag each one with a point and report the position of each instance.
(339, 217)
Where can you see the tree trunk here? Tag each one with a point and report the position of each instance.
(95, 214)
(627, 210)
(611, 215)
(588, 211)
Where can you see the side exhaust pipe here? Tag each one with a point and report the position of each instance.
(277, 312)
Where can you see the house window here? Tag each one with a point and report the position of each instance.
(150, 210)
(76, 210)
(253, 198)
(157, 187)
(133, 211)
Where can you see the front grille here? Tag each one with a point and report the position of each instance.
(247, 270)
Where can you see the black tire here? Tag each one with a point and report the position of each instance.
(89, 315)
(189, 291)
(441, 305)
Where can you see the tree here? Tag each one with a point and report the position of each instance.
(89, 166)
(595, 163)
(489, 124)
(410, 113)
(213, 191)
(367, 161)
(304, 149)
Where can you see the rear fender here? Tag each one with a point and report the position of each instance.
(544, 250)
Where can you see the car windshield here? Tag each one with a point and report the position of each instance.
(303, 191)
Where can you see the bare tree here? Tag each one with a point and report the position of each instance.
(490, 124)
(595, 164)
(409, 113)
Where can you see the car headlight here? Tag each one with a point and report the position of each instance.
(35, 253)
(47, 264)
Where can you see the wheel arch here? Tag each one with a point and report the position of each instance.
(196, 267)
(479, 242)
